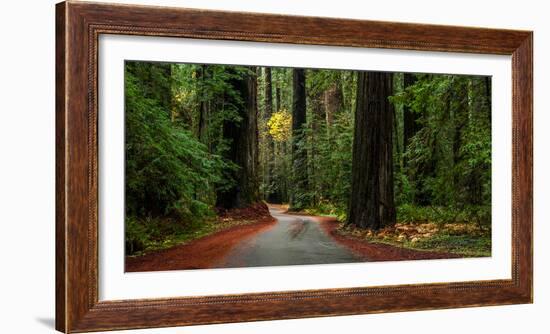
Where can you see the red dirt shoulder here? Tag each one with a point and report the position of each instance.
(375, 251)
(206, 251)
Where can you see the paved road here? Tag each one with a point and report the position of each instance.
(292, 240)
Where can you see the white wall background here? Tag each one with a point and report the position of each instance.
(27, 146)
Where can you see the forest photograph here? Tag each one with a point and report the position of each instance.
(245, 166)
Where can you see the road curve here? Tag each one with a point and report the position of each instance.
(292, 240)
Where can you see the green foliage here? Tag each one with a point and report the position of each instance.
(146, 234)
(448, 161)
(165, 166)
(408, 213)
(327, 208)
(328, 139)
(211, 85)
(404, 188)
(467, 245)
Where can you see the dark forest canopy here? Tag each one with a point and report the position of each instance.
(372, 148)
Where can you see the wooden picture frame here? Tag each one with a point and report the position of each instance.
(78, 26)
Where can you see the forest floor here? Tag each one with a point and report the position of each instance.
(454, 239)
(412, 240)
(208, 247)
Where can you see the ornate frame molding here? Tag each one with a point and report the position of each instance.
(78, 26)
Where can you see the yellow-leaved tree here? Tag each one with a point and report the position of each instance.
(279, 125)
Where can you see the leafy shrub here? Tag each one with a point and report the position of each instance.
(408, 213)
(168, 171)
(467, 245)
(327, 208)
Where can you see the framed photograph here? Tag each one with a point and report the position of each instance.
(222, 167)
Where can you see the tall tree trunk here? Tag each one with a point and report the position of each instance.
(278, 164)
(333, 102)
(298, 196)
(271, 195)
(243, 147)
(316, 117)
(278, 98)
(372, 200)
(268, 93)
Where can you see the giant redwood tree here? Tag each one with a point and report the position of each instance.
(241, 135)
(268, 103)
(372, 199)
(299, 196)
